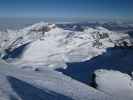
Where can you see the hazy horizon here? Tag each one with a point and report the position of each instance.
(81, 9)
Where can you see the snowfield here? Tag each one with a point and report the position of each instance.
(48, 62)
(16, 84)
(115, 83)
(44, 44)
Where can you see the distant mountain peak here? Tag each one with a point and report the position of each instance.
(40, 26)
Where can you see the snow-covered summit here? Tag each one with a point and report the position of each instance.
(50, 45)
(44, 46)
(39, 27)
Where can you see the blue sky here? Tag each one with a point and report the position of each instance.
(96, 9)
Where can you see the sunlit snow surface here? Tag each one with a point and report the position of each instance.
(61, 63)
(115, 83)
(44, 44)
(17, 84)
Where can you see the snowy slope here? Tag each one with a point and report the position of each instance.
(43, 47)
(16, 84)
(115, 83)
(49, 45)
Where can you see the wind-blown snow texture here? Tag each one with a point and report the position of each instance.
(56, 57)
(16, 84)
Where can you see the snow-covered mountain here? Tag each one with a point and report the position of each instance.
(45, 48)
(44, 44)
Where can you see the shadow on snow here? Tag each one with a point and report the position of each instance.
(114, 58)
(27, 91)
